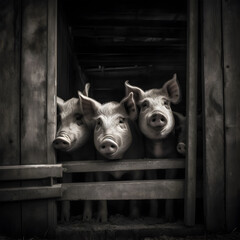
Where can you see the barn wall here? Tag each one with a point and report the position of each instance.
(28, 89)
(221, 74)
(231, 73)
(10, 32)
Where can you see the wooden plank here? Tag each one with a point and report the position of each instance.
(192, 77)
(122, 165)
(122, 227)
(34, 112)
(214, 200)
(231, 51)
(124, 190)
(24, 172)
(30, 193)
(10, 32)
(51, 104)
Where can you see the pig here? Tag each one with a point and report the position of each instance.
(180, 129)
(74, 137)
(156, 122)
(115, 137)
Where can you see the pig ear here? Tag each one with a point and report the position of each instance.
(172, 90)
(60, 103)
(86, 89)
(88, 106)
(138, 93)
(130, 106)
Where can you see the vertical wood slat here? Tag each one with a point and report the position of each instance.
(192, 74)
(51, 103)
(231, 51)
(10, 32)
(214, 192)
(38, 89)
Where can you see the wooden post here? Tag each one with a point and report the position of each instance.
(38, 92)
(231, 56)
(192, 76)
(214, 193)
(51, 103)
(10, 15)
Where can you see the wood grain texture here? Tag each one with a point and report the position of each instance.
(214, 192)
(24, 172)
(192, 78)
(231, 51)
(51, 103)
(122, 165)
(10, 32)
(37, 105)
(30, 193)
(124, 190)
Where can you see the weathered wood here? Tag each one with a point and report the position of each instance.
(122, 165)
(123, 228)
(37, 105)
(51, 103)
(124, 190)
(30, 193)
(24, 172)
(214, 200)
(10, 32)
(231, 51)
(192, 76)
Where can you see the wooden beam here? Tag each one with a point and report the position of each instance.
(129, 32)
(81, 43)
(30, 193)
(36, 90)
(124, 190)
(51, 103)
(214, 172)
(158, 24)
(191, 99)
(10, 52)
(231, 51)
(24, 172)
(122, 165)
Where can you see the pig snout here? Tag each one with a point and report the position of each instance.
(157, 120)
(181, 148)
(62, 142)
(108, 147)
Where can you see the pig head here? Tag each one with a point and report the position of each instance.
(73, 129)
(156, 118)
(112, 134)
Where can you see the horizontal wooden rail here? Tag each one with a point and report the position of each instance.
(24, 172)
(122, 165)
(30, 193)
(124, 190)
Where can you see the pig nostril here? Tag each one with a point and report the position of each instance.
(162, 119)
(103, 146)
(154, 119)
(112, 146)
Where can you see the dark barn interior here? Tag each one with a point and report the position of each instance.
(143, 42)
(109, 43)
(51, 48)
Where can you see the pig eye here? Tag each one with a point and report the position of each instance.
(99, 122)
(166, 103)
(121, 120)
(144, 105)
(78, 118)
